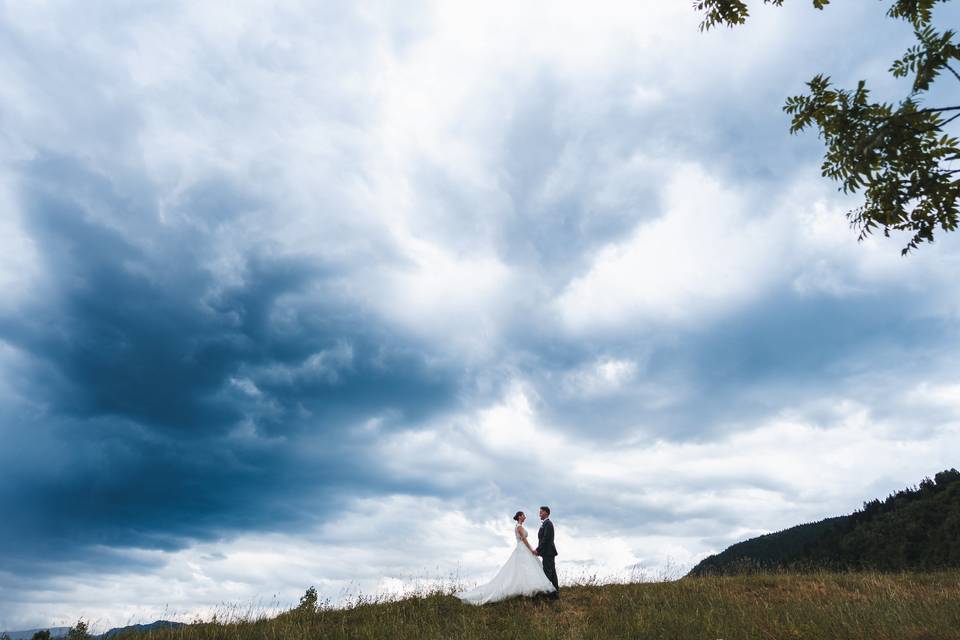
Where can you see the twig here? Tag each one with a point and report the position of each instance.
(957, 75)
(935, 109)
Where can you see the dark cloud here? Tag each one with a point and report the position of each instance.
(160, 406)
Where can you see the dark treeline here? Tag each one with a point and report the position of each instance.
(914, 529)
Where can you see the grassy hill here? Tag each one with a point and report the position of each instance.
(916, 529)
(874, 606)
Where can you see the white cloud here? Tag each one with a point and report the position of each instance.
(944, 395)
(605, 376)
(438, 293)
(703, 256)
(777, 471)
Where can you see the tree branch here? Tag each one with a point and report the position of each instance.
(936, 109)
(949, 120)
(909, 114)
(957, 75)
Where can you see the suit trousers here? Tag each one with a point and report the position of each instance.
(550, 569)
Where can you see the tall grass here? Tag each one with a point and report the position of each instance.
(771, 606)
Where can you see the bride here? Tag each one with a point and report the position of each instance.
(522, 574)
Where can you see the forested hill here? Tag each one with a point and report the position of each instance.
(916, 528)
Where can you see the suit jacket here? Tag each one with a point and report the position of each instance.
(545, 545)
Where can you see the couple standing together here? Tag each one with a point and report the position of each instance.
(522, 575)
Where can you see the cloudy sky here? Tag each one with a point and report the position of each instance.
(321, 293)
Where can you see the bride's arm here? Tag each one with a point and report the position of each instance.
(523, 536)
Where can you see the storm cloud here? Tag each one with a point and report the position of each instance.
(283, 282)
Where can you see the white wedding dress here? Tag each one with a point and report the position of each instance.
(522, 575)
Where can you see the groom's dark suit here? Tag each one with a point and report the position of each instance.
(547, 551)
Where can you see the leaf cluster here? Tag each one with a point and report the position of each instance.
(896, 156)
(900, 156)
(79, 632)
(308, 601)
(733, 12)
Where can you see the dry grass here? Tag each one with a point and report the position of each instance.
(815, 605)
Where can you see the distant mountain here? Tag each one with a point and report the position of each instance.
(61, 632)
(914, 529)
(26, 634)
(134, 628)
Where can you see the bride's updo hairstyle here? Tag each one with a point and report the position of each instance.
(517, 515)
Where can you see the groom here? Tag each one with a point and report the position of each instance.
(547, 551)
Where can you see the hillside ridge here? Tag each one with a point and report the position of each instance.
(914, 529)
